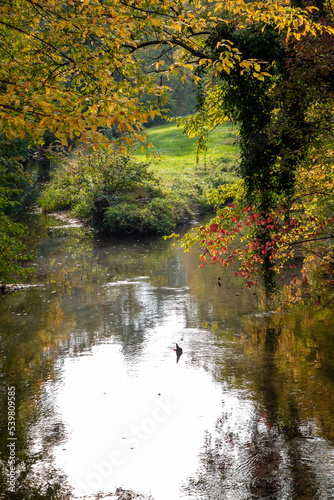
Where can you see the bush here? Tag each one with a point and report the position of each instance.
(78, 182)
(117, 194)
(54, 198)
(16, 187)
(155, 217)
(159, 216)
(17, 181)
(123, 216)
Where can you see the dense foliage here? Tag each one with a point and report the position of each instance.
(81, 69)
(116, 193)
(78, 68)
(15, 188)
(283, 119)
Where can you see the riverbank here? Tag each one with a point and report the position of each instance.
(151, 194)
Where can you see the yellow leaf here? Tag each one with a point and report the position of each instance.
(93, 109)
(81, 123)
(155, 21)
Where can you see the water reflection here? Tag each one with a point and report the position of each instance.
(246, 412)
(276, 441)
(142, 424)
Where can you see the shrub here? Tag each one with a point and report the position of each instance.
(16, 187)
(78, 182)
(123, 217)
(183, 207)
(54, 198)
(159, 216)
(155, 217)
(110, 172)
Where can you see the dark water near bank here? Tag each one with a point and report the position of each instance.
(101, 402)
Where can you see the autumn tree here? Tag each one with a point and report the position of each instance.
(78, 68)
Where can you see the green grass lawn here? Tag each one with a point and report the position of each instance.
(175, 152)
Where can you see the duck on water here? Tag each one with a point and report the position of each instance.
(179, 351)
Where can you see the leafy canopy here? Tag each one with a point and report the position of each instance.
(77, 67)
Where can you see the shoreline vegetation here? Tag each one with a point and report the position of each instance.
(271, 71)
(147, 193)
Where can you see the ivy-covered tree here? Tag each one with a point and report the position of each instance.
(281, 116)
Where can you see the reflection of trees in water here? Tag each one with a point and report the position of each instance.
(260, 464)
(277, 448)
(37, 431)
(36, 334)
(31, 348)
(298, 370)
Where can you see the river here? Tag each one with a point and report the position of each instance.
(94, 397)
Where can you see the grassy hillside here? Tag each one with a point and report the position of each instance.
(118, 193)
(176, 152)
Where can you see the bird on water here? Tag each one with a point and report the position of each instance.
(178, 349)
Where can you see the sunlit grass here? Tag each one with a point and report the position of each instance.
(174, 153)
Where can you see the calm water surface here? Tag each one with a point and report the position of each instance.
(102, 401)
